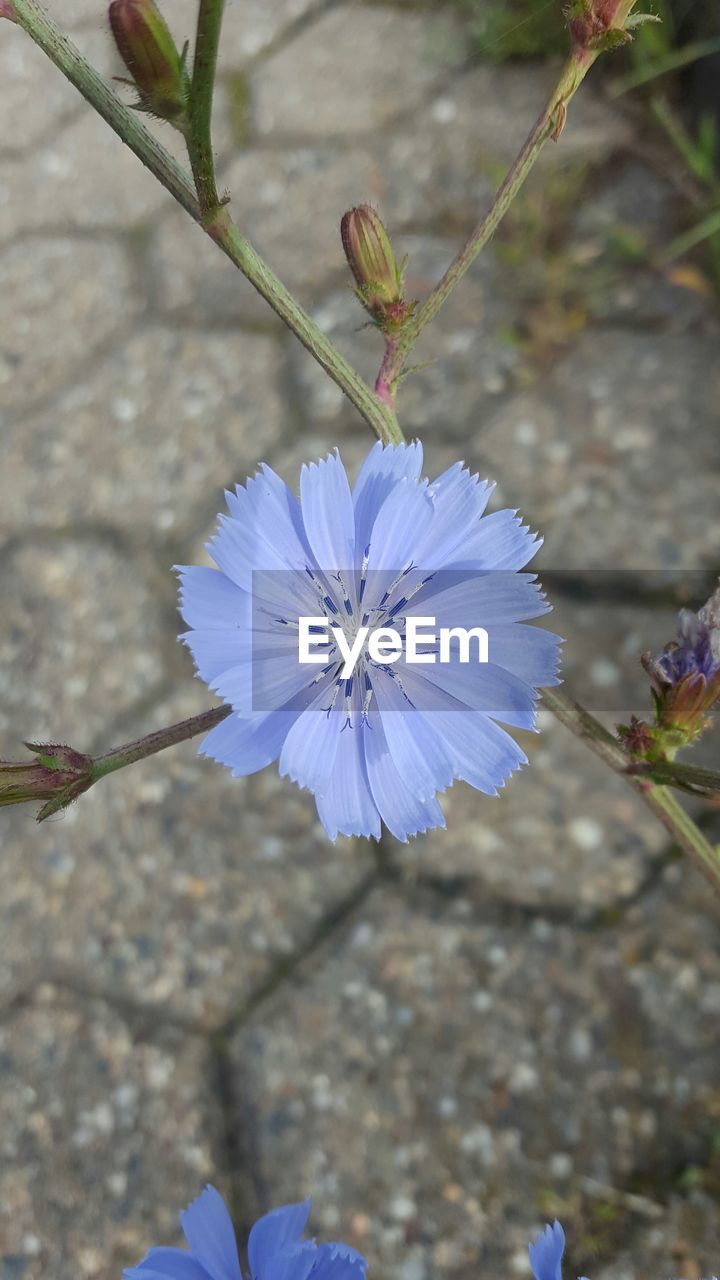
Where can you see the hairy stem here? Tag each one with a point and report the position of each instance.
(549, 124)
(141, 748)
(659, 799)
(44, 32)
(209, 24)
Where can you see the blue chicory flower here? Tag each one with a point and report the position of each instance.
(546, 1253)
(379, 744)
(275, 1249)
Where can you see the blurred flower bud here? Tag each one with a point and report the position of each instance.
(597, 25)
(57, 776)
(6, 10)
(372, 261)
(151, 56)
(685, 678)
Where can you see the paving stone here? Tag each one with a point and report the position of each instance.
(132, 446)
(34, 97)
(173, 883)
(613, 455)
(248, 30)
(565, 833)
(289, 204)
(442, 167)
(103, 1137)
(81, 639)
(84, 179)
(445, 1083)
(629, 199)
(76, 13)
(352, 71)
(66, 298)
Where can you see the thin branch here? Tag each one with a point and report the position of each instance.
(200, 150)
(160, 740)
(549, 124)
(125, 123)
(659, 799)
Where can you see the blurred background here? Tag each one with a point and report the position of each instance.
(449, 1043)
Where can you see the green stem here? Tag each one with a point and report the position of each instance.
(126, 124)
(209, 24)
(549, 124)
(659, 799)
(150, 745)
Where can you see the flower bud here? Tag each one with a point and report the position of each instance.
(56, 777)
(373, 263)
(151, 56)
(7, 11)
(685, 680)
(597, 25)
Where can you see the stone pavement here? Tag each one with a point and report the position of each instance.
(446, 1043)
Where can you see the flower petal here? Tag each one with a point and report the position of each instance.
(167, 1264)
(338, 1262)
(532, 653)
(262, 531)
(209, 599)
(309, 751)
(417, 751)
(499, 541)
(347, 807)
(246, 745)
(327, 511)
(274, 1231)
(210, 1234)
(459, 499)
(381, 471)
(482, 753)
(403, 813)
(293, 1263)
(486, 686)
(481, 599)
(216, 651)
(405, 514)
(546, 1253)
(263, 682)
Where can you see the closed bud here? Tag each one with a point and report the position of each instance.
(599, 25)
(150, 54)
(7, 11)
(378, 276)
(56, 776)
(685, 678)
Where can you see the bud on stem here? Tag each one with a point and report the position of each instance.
(685, 683)
(378, 275)
(598, 25)
(150, 54)
(7, 11)
(56, 777)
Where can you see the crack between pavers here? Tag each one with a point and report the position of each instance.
(333, 922)
(502, 912)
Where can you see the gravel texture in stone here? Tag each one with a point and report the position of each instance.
(613, 455)
(81, 639)
(157, 429)
(352, 71)
(67, 299)
(452, 1080)
(173, 883)
(565, 833)
(103, 1138)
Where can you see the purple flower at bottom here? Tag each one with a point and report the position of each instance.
(275, 1249)
(546, 1253)
(376, 742)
